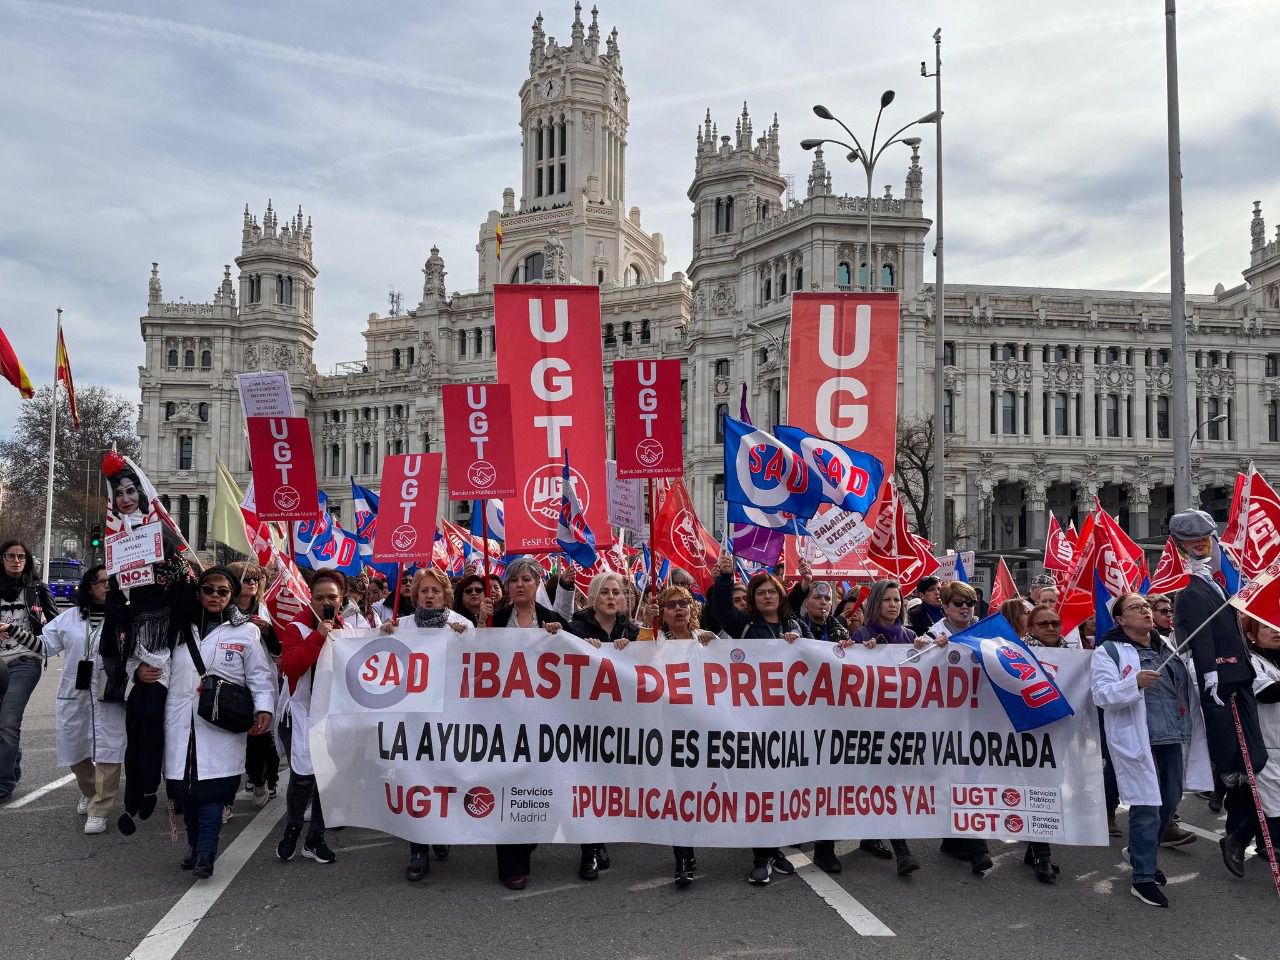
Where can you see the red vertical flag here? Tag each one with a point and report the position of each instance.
(1004, 588)
(407, 507)
(549, 350)
(680, 537)
(284, 468)
(646, 417)
(478, 440)
(62, 371)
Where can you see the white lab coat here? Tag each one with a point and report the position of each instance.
(1116, 691)
(1269, 720)
(87, 728)
(234, 653)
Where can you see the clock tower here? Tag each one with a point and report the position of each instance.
(573, 113)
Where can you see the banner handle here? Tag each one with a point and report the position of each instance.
(653, 560)
(1257, 800)
(395, 600)
(484, 532)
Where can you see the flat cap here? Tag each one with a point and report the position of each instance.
(1192, 525)
(1043, 580)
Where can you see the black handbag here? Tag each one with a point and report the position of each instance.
(224, 703)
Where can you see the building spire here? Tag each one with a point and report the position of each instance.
(153, 285)
(593, 32)
(1257, 227)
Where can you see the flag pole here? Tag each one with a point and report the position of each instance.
(395, 600)
(484, 532)
(53, 438)
(653, 556)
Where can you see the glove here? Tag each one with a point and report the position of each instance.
(1211, 687)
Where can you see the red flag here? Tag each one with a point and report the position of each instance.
(680, 537)
(1075, 605)
(1171, 572)
(1121, 561)
(1004, 588)
(1260, 597)
(62, 371)
(1059, 550)
(12, 370)
(893, 548)
(1252, 537)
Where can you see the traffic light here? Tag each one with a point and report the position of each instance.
(95, 537)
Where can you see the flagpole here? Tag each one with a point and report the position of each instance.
(53, 438)
(484, 532)
(653, 556)
(395, 601)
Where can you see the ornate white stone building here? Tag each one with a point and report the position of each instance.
(1054, 396)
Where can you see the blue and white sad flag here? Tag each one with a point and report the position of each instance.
(1030, 696)
(364, 502)
(849, 478)
(575, 538)
(763, 472)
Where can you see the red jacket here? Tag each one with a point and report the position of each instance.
(300, 645)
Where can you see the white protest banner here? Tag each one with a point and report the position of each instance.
(947, 565)
(140, 547)
(265, 394)
(838, 533)
(519, 736)
(626, 500)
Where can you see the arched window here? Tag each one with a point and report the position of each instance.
(411, 356)
(728, 215)
(169, 409)
(255, 288)
(288, 291)
(767, 292)
(887, 276)
(599, 278)
(479, 341)
(206, 360)
(462, 344)
(863, 277)
(279, 288)
(399, 411)
(844, 274)
(722, 411)
(609, 339)
(395, 359)
(203, 410)
(722, 368)
(189, 358)
(626, 331)
(644, 331)
(532, 268)
(782, 284)
(799, 278)
(635, 276)
(172, 359)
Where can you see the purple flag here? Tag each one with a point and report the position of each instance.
(758, 544)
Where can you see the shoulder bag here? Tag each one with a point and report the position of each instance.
(224, 703)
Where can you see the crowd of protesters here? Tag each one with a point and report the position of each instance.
(118, 685)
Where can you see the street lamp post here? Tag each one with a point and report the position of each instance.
(1220, 418)
(1179, 406)
(939, 317)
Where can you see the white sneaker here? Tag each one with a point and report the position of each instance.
(82, 805)
(226, 814)
(95, 825)
(260, 796)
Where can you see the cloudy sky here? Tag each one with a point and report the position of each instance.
(137, 131)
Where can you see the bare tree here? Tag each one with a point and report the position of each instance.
(106, 418)
(913, 470)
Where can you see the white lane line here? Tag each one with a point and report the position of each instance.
(656, 884)
(862, 920)
(526, 894)
(1198, 831)
(167, 937)
(367, 846)
(35, 795)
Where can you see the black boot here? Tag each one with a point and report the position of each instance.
(907, 864)
(876, 848)
(441, 851)
(602, 857)
(418, 866)
(202, 866)
(684, 872)
(824, 855)
(588, 869)
(189, 860)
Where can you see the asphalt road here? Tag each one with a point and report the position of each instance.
(64, 895)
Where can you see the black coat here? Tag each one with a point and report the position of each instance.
(1220, 645)
(584, 624)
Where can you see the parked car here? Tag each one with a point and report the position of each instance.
(64, 577)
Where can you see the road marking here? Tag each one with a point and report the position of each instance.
(35, 795)
(862, 920)
(94, 911)
(655, 884)
(525, 894)
(366, 846)
(1198, 831)
(167, 937)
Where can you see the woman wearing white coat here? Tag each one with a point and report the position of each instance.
(1154, 732)
(90, 729)
(203, 763)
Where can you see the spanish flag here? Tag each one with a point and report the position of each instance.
(62, 371)
(497, 242)
(11, 369)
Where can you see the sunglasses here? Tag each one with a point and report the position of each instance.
(1047, 623)
(962, 603)
(251, 580)
(470, 591)
(209, 591)
(1163, 611)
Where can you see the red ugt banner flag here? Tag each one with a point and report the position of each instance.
(284, 468)
(549, 350)
(680, 537)
(407, 505)
(477, 440)
(646, 418)
(843, 380)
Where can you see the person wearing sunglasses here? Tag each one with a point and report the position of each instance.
(26, 605)
(678, 624)
(1044, 629)
(262, 760)
(1162, 613)
(472, 600)
(90, 724)
(958, 604)
(1157, 748)
(203, 763)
